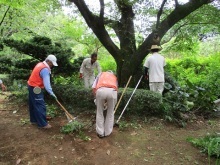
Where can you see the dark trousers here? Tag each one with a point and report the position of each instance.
(37, 108)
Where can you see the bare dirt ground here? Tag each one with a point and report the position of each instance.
(152, 143)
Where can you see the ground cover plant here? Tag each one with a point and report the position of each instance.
(209, 144)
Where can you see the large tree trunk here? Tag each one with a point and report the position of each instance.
(129, 59)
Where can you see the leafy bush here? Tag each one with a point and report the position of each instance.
(143, 102)
(199, 79)
(52, 110)
(209, 144)
(39, 47)
(72, 127)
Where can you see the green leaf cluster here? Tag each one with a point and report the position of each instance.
(72, 127)
(209, 144)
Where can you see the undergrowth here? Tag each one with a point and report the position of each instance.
(209, 144)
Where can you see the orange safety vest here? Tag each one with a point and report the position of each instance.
(108, 80)
(35, 80)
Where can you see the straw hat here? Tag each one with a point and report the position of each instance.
(155, 47)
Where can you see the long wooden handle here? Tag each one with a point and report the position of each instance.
(67, 113)
(122, 93)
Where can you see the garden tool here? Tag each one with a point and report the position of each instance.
(116, 124)
(68, 115)
(116, 107)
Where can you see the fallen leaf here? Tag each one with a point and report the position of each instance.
(133, 133)
(18, 161)
(108, 152)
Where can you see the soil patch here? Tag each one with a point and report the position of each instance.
(152, 142)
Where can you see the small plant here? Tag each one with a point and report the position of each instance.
(24, 121)
(72, 127)
(123, 125)
(52, 111)
(83, 136)
(209, 144)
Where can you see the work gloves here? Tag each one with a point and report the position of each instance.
(80, 75)
(54, 96)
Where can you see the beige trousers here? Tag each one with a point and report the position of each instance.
(157, 87)
(88, 80)
(104, 126)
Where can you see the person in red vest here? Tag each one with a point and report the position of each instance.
(2, 85)
(38, 80)
(105, 89)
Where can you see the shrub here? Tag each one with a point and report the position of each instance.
(143, 102)
(209, 144)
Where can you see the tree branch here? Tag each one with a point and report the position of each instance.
(102, 7)
(176, 3)
(160, 13)
(175, 16)
(4, 15)
(97, 26)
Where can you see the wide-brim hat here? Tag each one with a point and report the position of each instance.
(155, 47)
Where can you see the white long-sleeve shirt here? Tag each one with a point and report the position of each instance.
(87, 68)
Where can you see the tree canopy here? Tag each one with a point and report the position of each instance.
(120, 16)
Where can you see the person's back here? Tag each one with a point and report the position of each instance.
(156, 64)
(105, 89)
(154, 70)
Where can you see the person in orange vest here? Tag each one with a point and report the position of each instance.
(105, 89)
(2, 85)
(38, 80)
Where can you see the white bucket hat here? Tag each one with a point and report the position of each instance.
(53, 59)
(155, 47)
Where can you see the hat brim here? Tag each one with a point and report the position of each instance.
(54, 63)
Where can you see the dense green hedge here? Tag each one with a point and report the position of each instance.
(143, 102)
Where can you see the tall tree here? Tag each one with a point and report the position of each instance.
(127, 54)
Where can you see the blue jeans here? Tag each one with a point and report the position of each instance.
(37, 107)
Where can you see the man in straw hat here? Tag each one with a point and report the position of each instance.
(154, 70)
(39, 79)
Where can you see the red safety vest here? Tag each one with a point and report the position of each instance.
(35, 80)
(108, 80)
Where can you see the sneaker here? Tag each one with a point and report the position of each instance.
(48, 126)
(100, 136)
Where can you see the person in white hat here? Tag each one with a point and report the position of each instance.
(38, 80)
(87, 70)
(154, 70)
(2, 85)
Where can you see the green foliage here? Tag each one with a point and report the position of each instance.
(38, 48)
(143, 102)
(124, 125)
(72, 127)
(6, 64)
(198, 77)
(52, 110)
(75, 96)
(209, 144)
